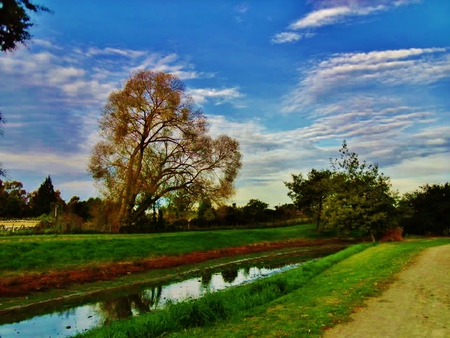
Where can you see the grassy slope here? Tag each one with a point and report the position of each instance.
(329, 298)
(300, 302)
(220, 305)
(41, 253)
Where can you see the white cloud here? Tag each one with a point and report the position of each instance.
(321, 17)
(286, 37)
(411, 173)
(270, 157)
(378, 135)
(343, 72)
(81, 76)
(45, 161)
(169, 63)
(44, 43)
(330, 12)
(218, 96)
(111, 51)
(78, 188)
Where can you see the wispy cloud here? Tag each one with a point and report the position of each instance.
(286, 37)
(342, 72)
(328, 16)
(331, 12)
(61, 92)
(218, 96)
(379, 130)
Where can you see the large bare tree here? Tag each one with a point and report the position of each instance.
(155, 143)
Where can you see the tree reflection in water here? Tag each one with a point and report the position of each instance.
(246, 271)
(131, 305)
(206, 279)
(230, 275)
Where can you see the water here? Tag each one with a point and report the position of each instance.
(71, 321)
(87, 314)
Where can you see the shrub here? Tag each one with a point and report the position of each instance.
(392, 235)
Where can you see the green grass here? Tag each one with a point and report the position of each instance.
(74, 292)
(328, 299)
(42, 253)
(297, 303)
(221, 305)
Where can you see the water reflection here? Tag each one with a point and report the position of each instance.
(85, 314)
(70, 322)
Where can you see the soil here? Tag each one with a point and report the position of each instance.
(416, 305)
(25, 284)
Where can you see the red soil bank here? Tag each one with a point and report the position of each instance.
(23, 285)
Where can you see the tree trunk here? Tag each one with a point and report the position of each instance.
(319, 214)
(372, 236)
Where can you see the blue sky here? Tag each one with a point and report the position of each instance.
(289, 79)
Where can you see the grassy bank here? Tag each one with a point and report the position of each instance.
(299, 302)
(328, 299)
(43, 253)
(221, 305)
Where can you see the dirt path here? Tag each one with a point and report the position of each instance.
(416, 305)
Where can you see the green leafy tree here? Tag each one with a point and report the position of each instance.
(16, 202)
(429, 210)
(15, 22)
(206, 210)
(44, 197)
(308, 194)
(361, 197)
(253, 211)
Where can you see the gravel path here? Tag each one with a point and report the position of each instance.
(416, 305)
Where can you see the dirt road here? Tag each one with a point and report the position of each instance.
(416, 305)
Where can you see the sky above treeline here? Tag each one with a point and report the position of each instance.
(289, 79)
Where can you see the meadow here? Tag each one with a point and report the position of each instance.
(299, 302)
(41, 253)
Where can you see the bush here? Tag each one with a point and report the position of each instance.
(392, 235)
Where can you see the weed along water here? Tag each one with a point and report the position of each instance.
(64, 320)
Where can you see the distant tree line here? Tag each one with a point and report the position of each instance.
(102, 215)
(352, 196)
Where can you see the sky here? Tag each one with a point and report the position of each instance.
(290, 80)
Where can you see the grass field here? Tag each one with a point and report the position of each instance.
(300, 302)
(24, 254)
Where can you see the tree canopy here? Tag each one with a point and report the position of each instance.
(428, 210)
(361, 197)
(308, 194)
(354, 195)
(15, 22)
(44, 197)
(154, 143)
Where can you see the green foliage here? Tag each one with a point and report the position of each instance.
(308, 194)
(361, 198)
(15, 22)
(46, 222)
(325, 294)
(253, 211)
(13, 200)
(428, 210)
(45, 196)
(221, 305)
